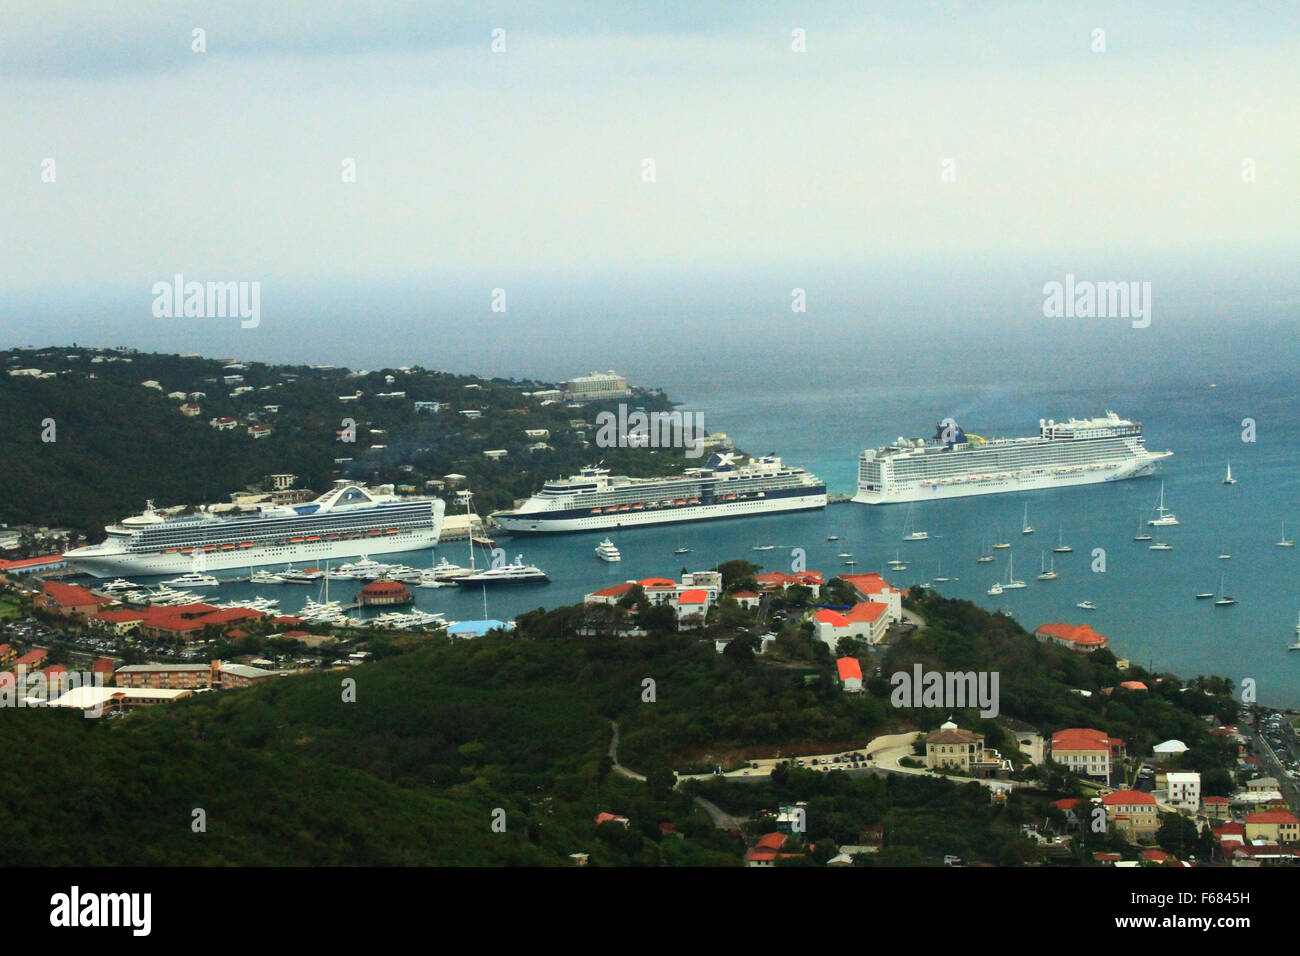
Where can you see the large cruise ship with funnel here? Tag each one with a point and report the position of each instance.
(594, 499)
(954, 464)
(348, 521)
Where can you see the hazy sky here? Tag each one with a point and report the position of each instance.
(476, 169)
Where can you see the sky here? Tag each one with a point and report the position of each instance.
(907, 144)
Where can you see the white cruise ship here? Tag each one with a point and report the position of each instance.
(348, 521)
(595, 499)
(954, 464)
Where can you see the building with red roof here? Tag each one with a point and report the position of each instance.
(747, 599)
(32, 660)
(46, 562)
(875, 589)
(1087, 752)
(779, 581)
(119, 622)
(68, 600)
(1274, 825)
(1216, 808)
(1133, 814)
(766, 850)
(611, 818)
(850, 672)
(385, 594)
(1079, 638)
(7, 654)
(866, 621)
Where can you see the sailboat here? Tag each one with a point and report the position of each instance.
(1025, 526)
(896, 564)
(1224, 599)
(1228, 479)
(1011, 574)
(986, 557)
(1001, 546)
(1161, 545)
(912, 535)
(1164, 516)
(1284, 541)
(940, 577)
(1141, 535)
(1296, 645)
(1061, 546)
(1044, 574)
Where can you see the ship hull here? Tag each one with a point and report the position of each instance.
(539, 523)
(934, 490)
(112, 564)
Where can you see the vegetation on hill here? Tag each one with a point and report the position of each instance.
(117, 443)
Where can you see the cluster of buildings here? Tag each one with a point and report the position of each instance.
(690, 598)
(182, 622)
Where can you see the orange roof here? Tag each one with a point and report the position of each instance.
(34, 656)
(1155, 856)
(869, 611)
(40, 562)
(770, 841)
(1128, 798)
(69, 595)
(849, 668)
(693, 596)
(1133, 685)
(615, 590)
(1082, 739)
(1272, 816)
(1080, 634)
(744, 594)
(833, 618)
(658, 583)
(869, 583)
(608, 817)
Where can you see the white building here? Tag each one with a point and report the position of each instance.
(1184, 790)
(597, 385)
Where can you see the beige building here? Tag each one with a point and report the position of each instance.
(951, 748)
(1133, 814)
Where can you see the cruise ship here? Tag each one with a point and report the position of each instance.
(594, 499)
(954, 464)
(348, 521)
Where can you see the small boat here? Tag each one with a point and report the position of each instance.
(1296, 645)
(845, 554)
(996, 589)
(1228, 479)
(265, 577)
(850, 562)
(832, 537)
(1160, 546)
(682, 551)
(606, 551)
(1141, 535)
(1044, 574)
(986, 557)
(940, 576)
(1087, 605)
(1011, 574)
(1284, 541)
(1025, 526)
(764, 547)
(1205, 595)
(1061, 546)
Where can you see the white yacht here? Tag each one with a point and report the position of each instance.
(1160, 546)
(1142, 533)
(1164, 516)
(909, 535)
(1025, 526)
(1284, 541)
(121, 584)
(1061, 546)
(444, 570)
(1228, 479)
(516, 573)
(1086, 605)
(265, 577)
(606, 551)
(193, 579)
(303, 576)
(1224, 600)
